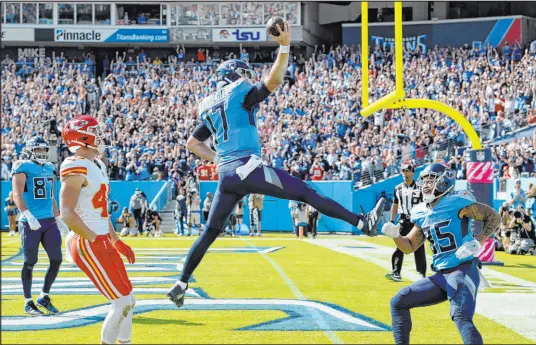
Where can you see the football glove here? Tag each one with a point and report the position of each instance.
(32, 221)
(391, 230)
(468, 249)
(64, 229)
(125, 250)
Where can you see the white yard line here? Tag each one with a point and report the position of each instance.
(10, 241)
(516, 311)
(299, 295)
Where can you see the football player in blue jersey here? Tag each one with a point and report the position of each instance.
(33, 193)
(444, 220)
(229, 117)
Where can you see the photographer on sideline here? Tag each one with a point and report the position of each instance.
(301, 214)
(138, 205)
(255, 213)
(129, 223)
(523, 228)
(314, 217)
(206, 207)
(504, 231)
(152, 219)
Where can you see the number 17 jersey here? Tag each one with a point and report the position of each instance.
(444, 229)
(92, 205)
(233, 127)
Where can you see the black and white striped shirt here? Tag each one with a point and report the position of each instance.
(406, 197)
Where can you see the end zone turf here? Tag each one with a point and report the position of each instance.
(274, 289)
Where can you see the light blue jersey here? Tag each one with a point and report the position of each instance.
(444, 229)
(39, 189)
(233, 127)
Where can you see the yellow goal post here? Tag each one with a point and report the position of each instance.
(397, 99)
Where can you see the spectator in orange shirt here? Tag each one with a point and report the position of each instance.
(204, 172)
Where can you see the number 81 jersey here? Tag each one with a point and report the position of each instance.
(444, 229)
(39, 189)
(92, 204)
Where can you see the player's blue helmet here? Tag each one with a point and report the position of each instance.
(37, 149)
(436, 180)
(232, 70)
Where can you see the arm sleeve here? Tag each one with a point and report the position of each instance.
(201, 132)
(72, 167)
(395, 200)
(257, 94)
(17, 168)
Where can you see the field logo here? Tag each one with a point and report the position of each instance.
(301, 315)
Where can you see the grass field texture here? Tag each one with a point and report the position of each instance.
(274, 289)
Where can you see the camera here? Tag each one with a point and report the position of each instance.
(517, 214)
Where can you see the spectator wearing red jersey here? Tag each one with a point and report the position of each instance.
(201, 55)
(204, 172)
(214, 168)
(317, 171)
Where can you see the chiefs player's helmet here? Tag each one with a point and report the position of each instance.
(85, 131)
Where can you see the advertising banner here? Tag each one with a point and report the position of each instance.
(453, 33)
(190, 34)
(238, 34)
(18, 35)
(89, 35)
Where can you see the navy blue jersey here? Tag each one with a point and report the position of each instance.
(232, 125)
(39, 189)
(445, 230)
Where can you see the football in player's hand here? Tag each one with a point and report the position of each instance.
(271, 27)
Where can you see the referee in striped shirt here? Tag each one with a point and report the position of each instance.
(406, 195)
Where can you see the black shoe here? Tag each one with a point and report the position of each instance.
(394, 277)
(31, 309)
(370, 220)
(176, 295)
(46, 303)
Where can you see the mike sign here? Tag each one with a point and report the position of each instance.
(443, 33)
(238, 35)
(89, 35)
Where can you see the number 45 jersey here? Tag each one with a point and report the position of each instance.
(92, 204)
(444, 229)
(39, 189)
(233, 127)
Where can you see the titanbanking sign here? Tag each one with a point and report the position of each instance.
(453, 33)
(89, 35)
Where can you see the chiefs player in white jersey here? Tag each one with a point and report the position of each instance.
(94, 245)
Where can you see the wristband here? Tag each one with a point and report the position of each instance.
(284, 49)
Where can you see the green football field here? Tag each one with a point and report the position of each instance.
(274, 289)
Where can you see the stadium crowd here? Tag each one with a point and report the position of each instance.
(310, 127)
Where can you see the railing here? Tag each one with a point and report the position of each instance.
(80, 66)
(163, 196)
